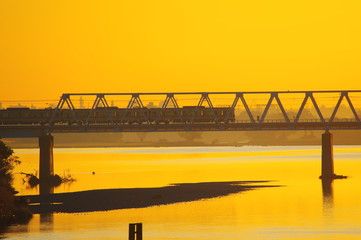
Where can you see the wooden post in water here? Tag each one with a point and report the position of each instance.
(135, 231)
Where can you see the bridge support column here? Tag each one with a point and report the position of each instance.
(46, 167)
(327, 171)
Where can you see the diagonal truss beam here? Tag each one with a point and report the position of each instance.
(170, 98)
(342, 96)
(100, 99)
(245, 105)
(204, 98)
(64, 99)
(134, 102)
(278, 100)
(309, 95)
(282, 108)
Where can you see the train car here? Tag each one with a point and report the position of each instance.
(103, 115)
(164, 115)
(68, 116)
(189, 114)
(219, 114)
(111, 115)
(133, 116)
(24, 116)
(120, 115)
(202, 114)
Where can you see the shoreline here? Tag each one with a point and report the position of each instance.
(183, 146)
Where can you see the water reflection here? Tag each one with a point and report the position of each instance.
(278, 212)
(46, 219)
(327, 193)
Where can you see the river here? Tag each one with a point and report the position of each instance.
(297, 209)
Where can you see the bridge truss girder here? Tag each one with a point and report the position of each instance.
(204, 97)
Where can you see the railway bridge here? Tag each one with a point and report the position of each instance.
(212, 111)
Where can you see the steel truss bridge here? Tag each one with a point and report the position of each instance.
(253, 123)
(51, 124)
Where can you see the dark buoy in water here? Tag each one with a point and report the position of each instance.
(93, 173)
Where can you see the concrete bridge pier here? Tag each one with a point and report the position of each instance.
(46, 167)
(327, 168)
(327, 171)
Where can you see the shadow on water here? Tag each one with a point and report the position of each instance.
(110, 199)
(46, 222)
(327, 194)
(46, 219)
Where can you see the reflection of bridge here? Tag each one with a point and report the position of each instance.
(134, 117)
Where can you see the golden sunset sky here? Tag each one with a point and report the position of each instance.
(51, 47)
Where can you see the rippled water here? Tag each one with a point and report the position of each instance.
(297, 210)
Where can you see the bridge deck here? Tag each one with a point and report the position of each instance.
(13, 131)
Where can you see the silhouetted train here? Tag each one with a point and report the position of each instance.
(101, 115)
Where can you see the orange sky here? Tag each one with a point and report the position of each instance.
(51, 47)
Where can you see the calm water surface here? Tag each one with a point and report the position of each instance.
(297, 210)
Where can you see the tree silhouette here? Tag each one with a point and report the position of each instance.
(12, 209)
(7, 164)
